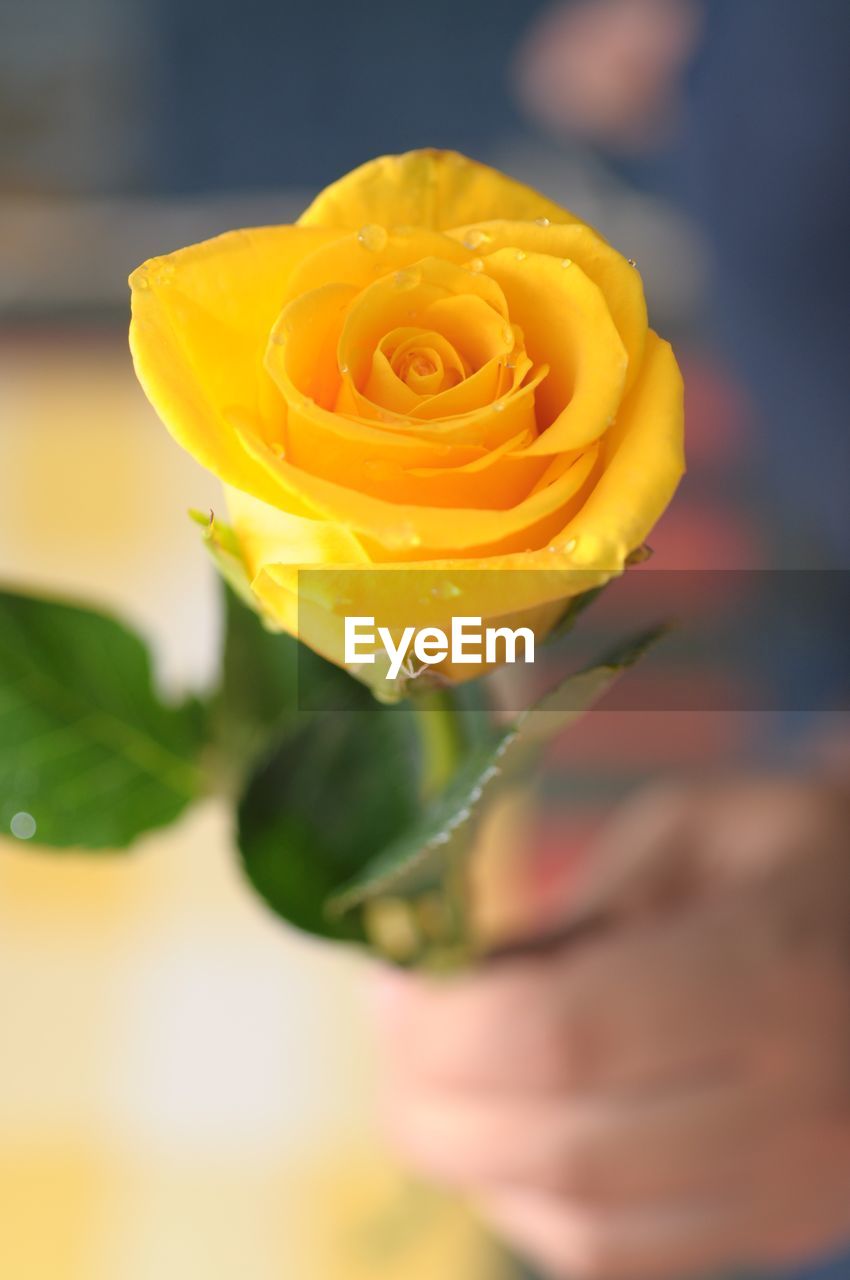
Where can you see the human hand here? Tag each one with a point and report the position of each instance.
(608, 70)
(671, 1094)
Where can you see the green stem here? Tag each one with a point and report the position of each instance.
(442, 733)
(444, 741)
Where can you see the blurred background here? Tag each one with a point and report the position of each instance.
(186, 1088)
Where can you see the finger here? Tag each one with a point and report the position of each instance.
(580, 1244)
(616, 1152)
(645, 1007)
(497, 1028)
(656, 1005)
(800, 1206)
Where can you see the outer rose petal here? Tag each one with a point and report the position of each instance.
(201, 321)
(643, 461)
(438, 189)
(278, 548)
(301, 608)
(398, 532)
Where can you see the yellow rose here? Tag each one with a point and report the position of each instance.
(435, 368)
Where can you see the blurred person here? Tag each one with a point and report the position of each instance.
(664, 1091)
(668, 1093)
(738, 112)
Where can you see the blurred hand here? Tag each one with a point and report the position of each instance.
(608, 70)
(671, 1094)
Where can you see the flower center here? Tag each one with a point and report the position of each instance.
(424, 361)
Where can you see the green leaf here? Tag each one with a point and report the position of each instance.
(262, 675)
(577, 604)
(573, 612)
(341, 786)
(87, 748)
(419, 856)
(258, 689)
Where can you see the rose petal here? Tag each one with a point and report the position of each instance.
(618, 279)
(201, 319)
(426, 189)
(567, 326)
(642, 463)
(396, 531)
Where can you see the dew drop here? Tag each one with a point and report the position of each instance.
(566, 262)
(343, 368)
(521, 255)
(510, 363)
(570, 546)
(23, 826)
(631, 262)
(407, 279)
(142, 281)
(476, 264)
(372, 237)
(499, 406)
(475, 238)
(543, 222)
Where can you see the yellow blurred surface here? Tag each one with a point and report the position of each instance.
(185, 1085)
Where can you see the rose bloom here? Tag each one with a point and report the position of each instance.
(435, 369)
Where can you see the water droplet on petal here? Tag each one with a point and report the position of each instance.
(570, 546)
(566, 262)
(499, 406)
(372, 237)
(543, 222)
(520, 255)
(23, 826)
(142, 281)
(407, 279)
(631, 262)
(343, 368)
(474, 238)
(476, 264)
